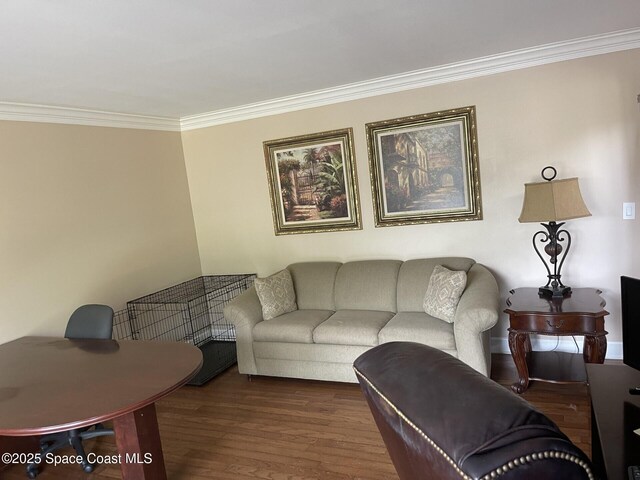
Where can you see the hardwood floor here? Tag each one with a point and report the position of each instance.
(567, 405)
(286, 429)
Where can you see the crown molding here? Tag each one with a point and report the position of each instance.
(490, 65)
(22, 112)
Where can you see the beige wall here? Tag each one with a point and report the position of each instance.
(88, 215)
(580, 116)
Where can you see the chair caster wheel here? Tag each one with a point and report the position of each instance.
(32, 473)
(88, 468)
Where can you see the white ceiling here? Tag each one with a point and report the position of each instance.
(179, 58)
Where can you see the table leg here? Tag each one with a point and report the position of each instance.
(138, 442)
(520, 345)
(594, 349)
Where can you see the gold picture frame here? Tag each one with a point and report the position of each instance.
(424, 168)
(313, 184)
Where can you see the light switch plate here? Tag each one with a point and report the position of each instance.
(629, 211)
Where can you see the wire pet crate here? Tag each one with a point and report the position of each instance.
(188, 312)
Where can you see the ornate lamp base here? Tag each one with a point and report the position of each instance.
(552, 238)
(558, 292)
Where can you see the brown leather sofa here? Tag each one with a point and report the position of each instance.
(441, 419)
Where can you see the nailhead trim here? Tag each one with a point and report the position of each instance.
(412, 425)
(539, 456)
(496, 472)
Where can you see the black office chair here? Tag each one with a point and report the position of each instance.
(88, 321)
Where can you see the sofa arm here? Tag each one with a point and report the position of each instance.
(245, 312)
(439, 419)
(476, 314)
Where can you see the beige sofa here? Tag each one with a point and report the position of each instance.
(346, 309)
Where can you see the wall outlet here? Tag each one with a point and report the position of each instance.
(629, 211)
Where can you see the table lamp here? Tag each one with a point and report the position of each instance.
(549, 202)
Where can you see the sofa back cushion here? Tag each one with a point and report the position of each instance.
(368, 285)
(314, 284)
(414, 275)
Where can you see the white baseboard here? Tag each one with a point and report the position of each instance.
(561, 344)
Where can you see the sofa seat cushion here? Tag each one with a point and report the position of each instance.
(352, 327)
(294, 327)
(421, 328)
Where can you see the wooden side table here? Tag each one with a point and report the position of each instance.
(581, 313)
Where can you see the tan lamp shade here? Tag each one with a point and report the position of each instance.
(554, 200)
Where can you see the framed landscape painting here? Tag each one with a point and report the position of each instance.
(312, 183)
(424, 168)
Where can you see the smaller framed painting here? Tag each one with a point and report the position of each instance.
(312, 183)
(424, 168)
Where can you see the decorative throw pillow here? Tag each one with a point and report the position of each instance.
(443, 293)
(276, 294)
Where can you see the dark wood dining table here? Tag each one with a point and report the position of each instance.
(51, 384)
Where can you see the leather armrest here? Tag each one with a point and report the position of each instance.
(440, 417)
